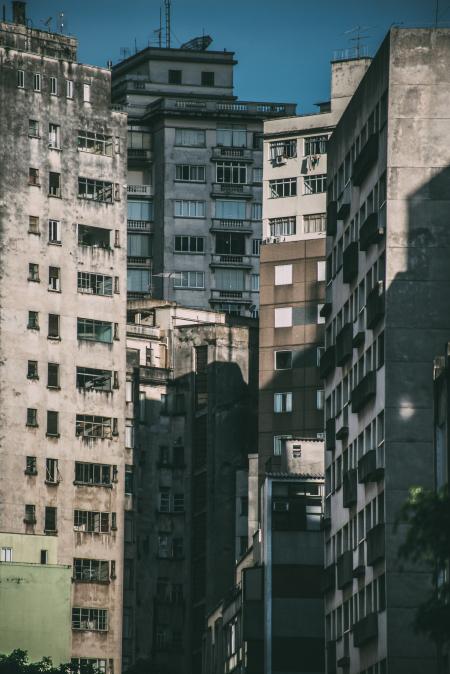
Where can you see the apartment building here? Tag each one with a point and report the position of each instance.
(194, 424)
(441, 407)
(194, 178)
(387, 317)
(62, 348)
(292, 266)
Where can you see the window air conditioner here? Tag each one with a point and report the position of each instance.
(280, 160)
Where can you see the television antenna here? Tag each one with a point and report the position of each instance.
(358, 36)
(124, 52)
(47, 22)
(167, 8)
(61, 22)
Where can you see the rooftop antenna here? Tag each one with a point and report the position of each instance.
(61, 22)
(47, 23)
(158, 31)
(436, 14)
(360, 49)
(167, 4)
(124, 52)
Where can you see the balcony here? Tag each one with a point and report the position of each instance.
(332, 218)
(329, 579)
(345, 569)
(231, 190)
(330, 434)
(156, 375)
(328, 305)
(138, 155)
(366, 158)
(331, 657)
(344, 202)
(375, 305)
(327, 362)
(370, 232)
(364, 391)
(359, 567)
(139, 190)
(239, 296)
(350, 488)
(241, 153)
(365, 630)
(369, 469)
(344, 346)
(242, 261)
(140, 329)
(342, 424)
(140, 225)
(375, 544)
(231, 225)
(135, 261)
(258, 109)
(359, 333)
(350, 262)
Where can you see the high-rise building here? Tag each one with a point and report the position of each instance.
(388, 316)
(292, 266)
(194, 178)
(62, 350)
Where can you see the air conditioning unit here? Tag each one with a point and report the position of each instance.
(280, 506)
(320, 436)
(280, 160)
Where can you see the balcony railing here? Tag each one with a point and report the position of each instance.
(139, 261)
(345, 569)
(241, 296)
(364, 391)
(375, 305)
(350, 262)
(230, 224)
(330, 434)
(369, 468)
(366, 158)
(141, 225)
(344, 346)
(231, 261)
(139, 190)
(241, 153)
(155, 374)
(375, 544)
(332, 218)
(231, 189)
(327, 362)
(139, 154)
(365, 630)
(370, 232)
(138, 329)
(350, 488)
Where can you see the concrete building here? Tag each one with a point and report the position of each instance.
(194, 178)
(62, 345)
(195, 423)
(441, 373)
(292, 266)
(271, 621)
(388, 315)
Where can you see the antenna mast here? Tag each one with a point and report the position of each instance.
(167, 9)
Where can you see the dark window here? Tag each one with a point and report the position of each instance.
(178, 456)
(283, 360)
(50, 520)
(30, 514)
(129, 478)
(54, 184)
(52, 423)
(90, 378)
(32, 369)
(244, 505)
(228, 243)
(93, 236)
(44, 556)
(33, 320)
(91, 570)
(33, 177)
(174, 76)
(53, 375)
(207, 79)
(53, 326)
(33, 272)
(30, 465)
(32, 416)
(92, 473)
(51, 471)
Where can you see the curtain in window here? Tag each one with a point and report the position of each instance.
(138, 280)
(230, 279)
(139, 245)
(234, 210)
(140, 210)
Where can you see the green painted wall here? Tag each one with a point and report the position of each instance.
(27, 547)
(35, 610)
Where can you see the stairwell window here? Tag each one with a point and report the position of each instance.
(282, 402)
(283, 187)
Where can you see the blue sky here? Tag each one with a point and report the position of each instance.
(283, 46)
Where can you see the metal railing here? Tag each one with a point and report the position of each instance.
(140, 190)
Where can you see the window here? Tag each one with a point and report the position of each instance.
(138, 211)
(164, 501)
(256, 210)
(53, 86)
(81, 664)
(230, 210)
(32, 416)
(190, 137)
(33, 177)
(230, 279)
(91, 570)
(33, 320)
(129, 479)
(95, 190)
(89, 426)
(189, 279)
(230, 243)
(320, 319)
(33, 272)
(30, 514)
(32, 372)
(316, 145)
(177, 548)
(36, 82)
(93, 379)
(191, 173)
(282, 226)
(283, 274)
(283, 360)
(283, 317)
(6, 554)
(69, 89)
(282, 402)
(51, 471)
(95, 331)
(231, 172)
(283, 148)
(53, 326)
(283, 187)
(33, 224)
(316, 222)
(30, 465)
(257, 175)
(175, 76)
(321, 270)
(256, 246)
(87, 93)
(320, 399)
(94, 284)
(50, 520)
(95, 619)
(139, 280)
(233, 136)
(93, 474)
(178, 503)
(54, 231)
(189, 209)
(96, 143)
(94, 236)
(54, 279)
(53, 375)
(53, 423)
(207, 78)
(254, 282)
(315, 184)
(189, 244)
(91, 521)
(54, 184)
(33, 128)
(21, 79)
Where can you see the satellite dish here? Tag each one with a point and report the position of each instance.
(198, 43)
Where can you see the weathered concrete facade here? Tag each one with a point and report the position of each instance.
(195, 179)
(62, 324)
(388, 253)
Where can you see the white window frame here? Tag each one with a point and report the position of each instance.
(189, 279)
(53, 86)
(54, 232)
(283, 187)
(21, 79)
(283, 226)
(320, 319)
(189, 208)
(6, 554)
(86, 92)
(37, 82)
(69, 89)
(317, 181)
(282, 402)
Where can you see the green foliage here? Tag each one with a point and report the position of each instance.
(17, 663)
(427, 540)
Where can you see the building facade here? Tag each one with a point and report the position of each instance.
(292, 266)
(195, 179)
(62, 339)
(387, 317)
